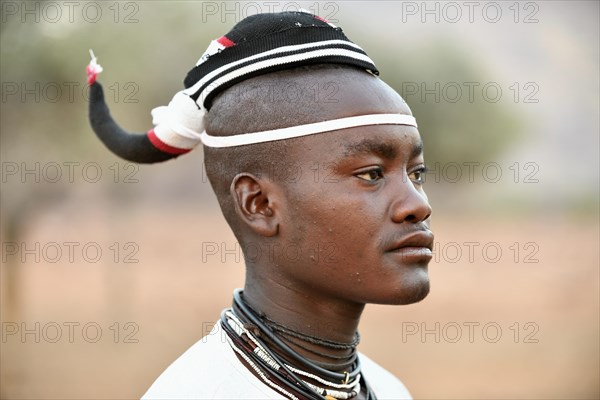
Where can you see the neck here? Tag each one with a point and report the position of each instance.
(309, 314)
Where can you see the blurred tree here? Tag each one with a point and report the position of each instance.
(460, 113)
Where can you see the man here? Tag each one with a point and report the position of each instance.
(324, 194)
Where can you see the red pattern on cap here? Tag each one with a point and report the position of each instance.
(223, 40)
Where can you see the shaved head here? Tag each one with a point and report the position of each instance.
(282, 99)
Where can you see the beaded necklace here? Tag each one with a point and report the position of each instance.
(245, 330)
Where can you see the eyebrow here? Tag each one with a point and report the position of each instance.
(384, 150)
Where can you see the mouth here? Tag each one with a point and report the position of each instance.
(414, 247)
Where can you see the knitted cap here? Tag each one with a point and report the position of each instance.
(257, 45)
(265, 43)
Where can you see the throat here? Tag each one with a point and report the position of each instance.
(328, 354)
(309, 364)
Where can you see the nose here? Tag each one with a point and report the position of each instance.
(410, 203)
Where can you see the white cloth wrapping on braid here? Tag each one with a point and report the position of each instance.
(181, 123)
(210, 370)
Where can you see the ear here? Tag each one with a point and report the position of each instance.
(254, 203)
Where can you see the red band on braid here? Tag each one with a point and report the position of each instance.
(165, 148)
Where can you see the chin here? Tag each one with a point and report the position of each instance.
(414, 295)
(406, 291)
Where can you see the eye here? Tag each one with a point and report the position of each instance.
(372, 175)
(418, 175)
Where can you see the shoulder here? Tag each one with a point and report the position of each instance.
(209, 370)
(385, 385)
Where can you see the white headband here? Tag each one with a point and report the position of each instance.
(307, 129)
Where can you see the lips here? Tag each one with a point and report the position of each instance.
(422, 239)
(415, 246)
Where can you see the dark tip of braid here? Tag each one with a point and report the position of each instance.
(135, 147)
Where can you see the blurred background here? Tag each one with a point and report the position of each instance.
(111, 270)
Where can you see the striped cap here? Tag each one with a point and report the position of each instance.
(265, 43)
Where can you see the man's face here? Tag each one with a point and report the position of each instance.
(355, 213)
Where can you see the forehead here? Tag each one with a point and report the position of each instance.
(360, 96)
(388, 142)
(369, 95)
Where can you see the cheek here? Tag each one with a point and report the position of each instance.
(333, 219)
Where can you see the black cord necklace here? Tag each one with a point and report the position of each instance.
(238, 301)
(300, 339)
(281, 373)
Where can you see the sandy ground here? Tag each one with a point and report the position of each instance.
(494, 326)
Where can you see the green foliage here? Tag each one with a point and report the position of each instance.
(457, 119)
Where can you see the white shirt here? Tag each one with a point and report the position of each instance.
(211, 370)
